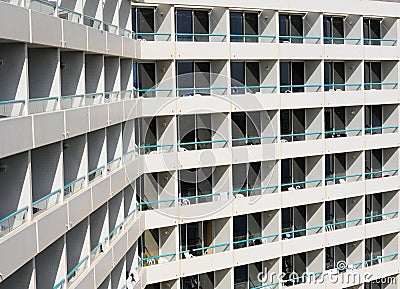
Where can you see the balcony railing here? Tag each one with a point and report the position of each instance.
(43, 6)
(250, 38)
(352, 40)
(249, 191)
(205, 144)
(289, 233)
(13, 221)
(96, 174)
(246, 241)
(380, 85)
(193, 91)
(11, 108)
(342, 132)
(382, 217)
(111, 96)
(380, 41)
(72, 101)
(200, 37)
(288, 88)
(255, 140)
(42, 104)
(342, 179)
(340, 86)
(300, 185)
(155, 148)
(60, 285)
(92, 22)
(96, 251)
(78, 269)
(94, 98)
(288, 38)
(114, 164)
(69, 14)
(253, 89)
(159, 259)
(46, 202)
(115, 232)
(381, 173)
(380, 129)
(109, 27)
(151, 36)
(342, 224)
(374, 261)
(300, 136)
(74, 186)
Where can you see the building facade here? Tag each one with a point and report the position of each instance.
(199, 144)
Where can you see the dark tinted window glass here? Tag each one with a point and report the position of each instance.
(251, 26)
(236, 26)
(237, 77)
(298, 76)
(296, 28)
(184, 25)
(283, 27)
(285, 78)
(145, 23)
(200, 25)
(185, 77)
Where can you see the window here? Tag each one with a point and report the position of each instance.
(195, 131)
(373, 119)
(334, 255)
(190, 237)
(292, 76)
(335, 167)
(335, 213)
(244, 26)
(333, 30)
(246, 128)
(373, 207)
(373, 250)
(247, 179)
(293, 124)
(143, 23)
(335, 122)
(372, 31)
(334, 76)
(191, 24)
(293, 171)
(241, 276)
(290, 28)
(192, 75)
(373, 163)
(245, 76)
(146, 74)
(372, 75)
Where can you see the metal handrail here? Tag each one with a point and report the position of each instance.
(382, 171)
(343, 177)
(12, 101)
(381, 127)
(71, 273)
(381, 215)
(301, 183)
(59, 284)
(14, 214)
(300, 85)
(43, 98)
(299, 37)
(202, 142)
(255, 239)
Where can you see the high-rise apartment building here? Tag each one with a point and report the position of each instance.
(199, 144)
